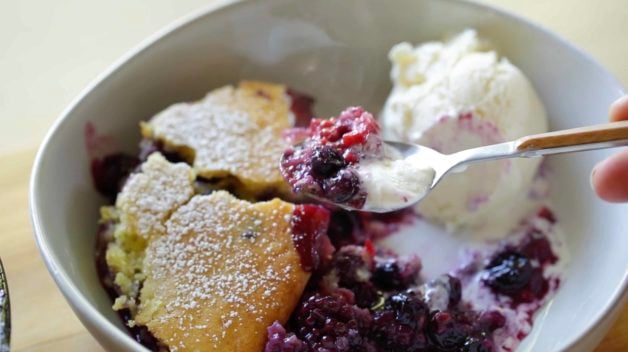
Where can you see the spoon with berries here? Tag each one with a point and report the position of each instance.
(346, 162)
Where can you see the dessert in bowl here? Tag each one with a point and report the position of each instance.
(126, 97)
(196, 258)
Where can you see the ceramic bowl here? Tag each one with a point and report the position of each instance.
(337, 51)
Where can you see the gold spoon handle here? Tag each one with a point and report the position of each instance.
(608, 135)
(576, 139)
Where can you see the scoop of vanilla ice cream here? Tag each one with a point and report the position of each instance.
(459, 94)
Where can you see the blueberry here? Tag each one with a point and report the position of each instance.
(387, 274)
(326, 161)
(342, 187)
(332, 323)
(393, 274)
(508, 273)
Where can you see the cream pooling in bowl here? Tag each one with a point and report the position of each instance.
(456, 95)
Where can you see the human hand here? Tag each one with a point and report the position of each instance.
(609, 178)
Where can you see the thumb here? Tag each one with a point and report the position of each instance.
(619, 109)
(610, 178)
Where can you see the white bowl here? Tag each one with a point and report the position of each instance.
(335, 50)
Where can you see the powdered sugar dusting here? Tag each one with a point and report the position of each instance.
(149, 197)
(230, 132)
(224, 267)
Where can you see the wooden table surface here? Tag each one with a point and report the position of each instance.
(51, 50)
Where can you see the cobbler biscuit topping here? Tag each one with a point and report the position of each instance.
(231, 132)
(224, 271)
(149, 197)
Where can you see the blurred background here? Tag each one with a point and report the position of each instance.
(50, 50)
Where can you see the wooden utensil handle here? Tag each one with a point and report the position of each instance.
(608, 132)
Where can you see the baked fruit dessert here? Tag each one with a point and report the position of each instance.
(218, 266)
(186, 265)
(204, 247)
(181, 258)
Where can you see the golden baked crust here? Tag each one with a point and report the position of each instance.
(214, 271)
(224, 271)
(232, 132)
(149, 197)
(142, 207)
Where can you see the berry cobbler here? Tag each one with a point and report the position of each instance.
(206, 244)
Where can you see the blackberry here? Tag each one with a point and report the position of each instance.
(331, 323)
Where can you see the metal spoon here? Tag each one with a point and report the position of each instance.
(5, 313)
(607, 135)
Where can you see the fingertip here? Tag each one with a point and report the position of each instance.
(619, 109)
(609, 178)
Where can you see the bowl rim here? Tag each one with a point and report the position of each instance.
(88, 312)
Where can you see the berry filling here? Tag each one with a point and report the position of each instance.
(517, 270)
(301, 106)
(359, 297)
(367, 301)
(110, 172)
(322, 162)
(518, 276)
(309, 227)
